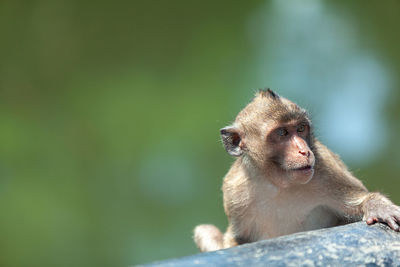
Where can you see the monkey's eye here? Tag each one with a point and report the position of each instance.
(301, 128)
(282, 132)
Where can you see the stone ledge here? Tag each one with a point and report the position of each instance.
(349, 245)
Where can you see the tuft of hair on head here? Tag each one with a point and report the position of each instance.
(268, 93)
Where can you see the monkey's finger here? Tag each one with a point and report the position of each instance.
(397, 218)
(372, 220)
(392, 224)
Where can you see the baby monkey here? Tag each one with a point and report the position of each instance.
(285, 181)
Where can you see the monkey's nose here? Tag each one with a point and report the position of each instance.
(304, 153)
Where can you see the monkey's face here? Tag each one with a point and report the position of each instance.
(283, 152)
(288, 152)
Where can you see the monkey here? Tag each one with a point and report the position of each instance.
(284, 180)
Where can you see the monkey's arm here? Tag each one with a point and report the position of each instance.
(350, 195)
(372, 207)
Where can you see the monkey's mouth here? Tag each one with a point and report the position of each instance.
(304, 168)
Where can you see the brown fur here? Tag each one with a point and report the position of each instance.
(265, 198)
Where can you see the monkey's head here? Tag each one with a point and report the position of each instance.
(274, 135)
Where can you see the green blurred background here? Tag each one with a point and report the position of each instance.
(110, 111)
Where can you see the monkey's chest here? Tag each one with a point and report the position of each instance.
(267, 218)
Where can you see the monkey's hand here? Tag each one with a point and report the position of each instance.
(380, 209)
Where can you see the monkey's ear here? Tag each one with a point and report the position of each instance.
(231, 140)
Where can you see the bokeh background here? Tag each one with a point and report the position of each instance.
(110, 113)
